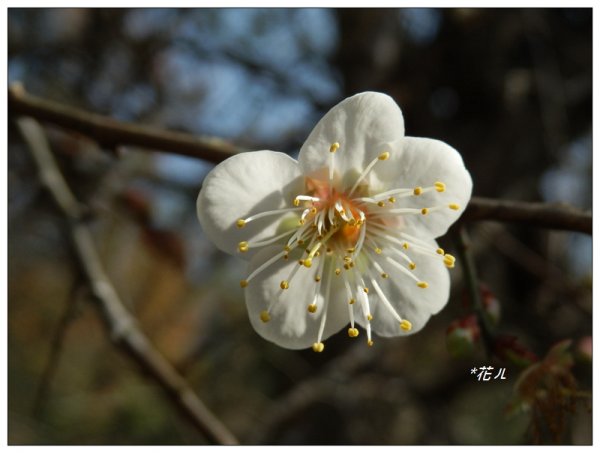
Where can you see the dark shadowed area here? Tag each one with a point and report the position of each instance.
(511, 89)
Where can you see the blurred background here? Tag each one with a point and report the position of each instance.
(510, 89)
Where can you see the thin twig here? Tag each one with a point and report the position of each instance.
(110, 133)
(123, 328)
(56, 347)
(559, 216)
(472, 283)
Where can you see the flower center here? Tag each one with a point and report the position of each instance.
(351, 234)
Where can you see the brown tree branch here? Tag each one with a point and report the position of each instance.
(110, 133)
(557, 216)
(123, 328)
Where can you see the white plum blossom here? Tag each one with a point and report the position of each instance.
(345, 236)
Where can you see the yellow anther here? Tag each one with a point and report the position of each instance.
(243, 283)
(424, 211)
(317, 278)
(286, 256)
(392, 199)
(318, 347)
(301, 221)
(347, 266)
(405, 325)
(338, 271)
(405, 245)
(369, 317)
(351, 301)
(378, 251)
(439, 186)
(384, 156)
(284, 284)
(296, 202)
(307, 262)
(384, 275)
(449, 260)
(370, 342)
(454, 206)
(300, 241)
(312, 308)
(313, 210)
(440, 251)
(243, 246)
(264, 316)
(287, 248)
(418, 190)
(353, 332)
(422, 285)
(412, 266)
(334, 147)
(366, 290)
(352, 222)
(351, 250)
(381, 204)
(240, 223)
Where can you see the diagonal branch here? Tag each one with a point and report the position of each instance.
(111, 133)
(123, 328)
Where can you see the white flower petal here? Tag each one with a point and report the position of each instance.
(291, 325)
(361, 124)
(411, 302)
(420, 162)
(244, 185)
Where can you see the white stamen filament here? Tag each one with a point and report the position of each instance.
(325, 304)
(401, 268)
(366, 171)
(270, 213)
(263, 266)
(385, 300)
(319, 273)
(307, 198)
(268, 241)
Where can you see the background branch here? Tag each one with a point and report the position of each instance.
(123, 328)
(56, 346)
(558, 216)
(472, 283)
(111, 133)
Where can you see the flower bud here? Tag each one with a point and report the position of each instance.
(491, 305)
(462, 336)
(583, 350)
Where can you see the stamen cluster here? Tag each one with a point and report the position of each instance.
(343, 237)
(349, 235)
